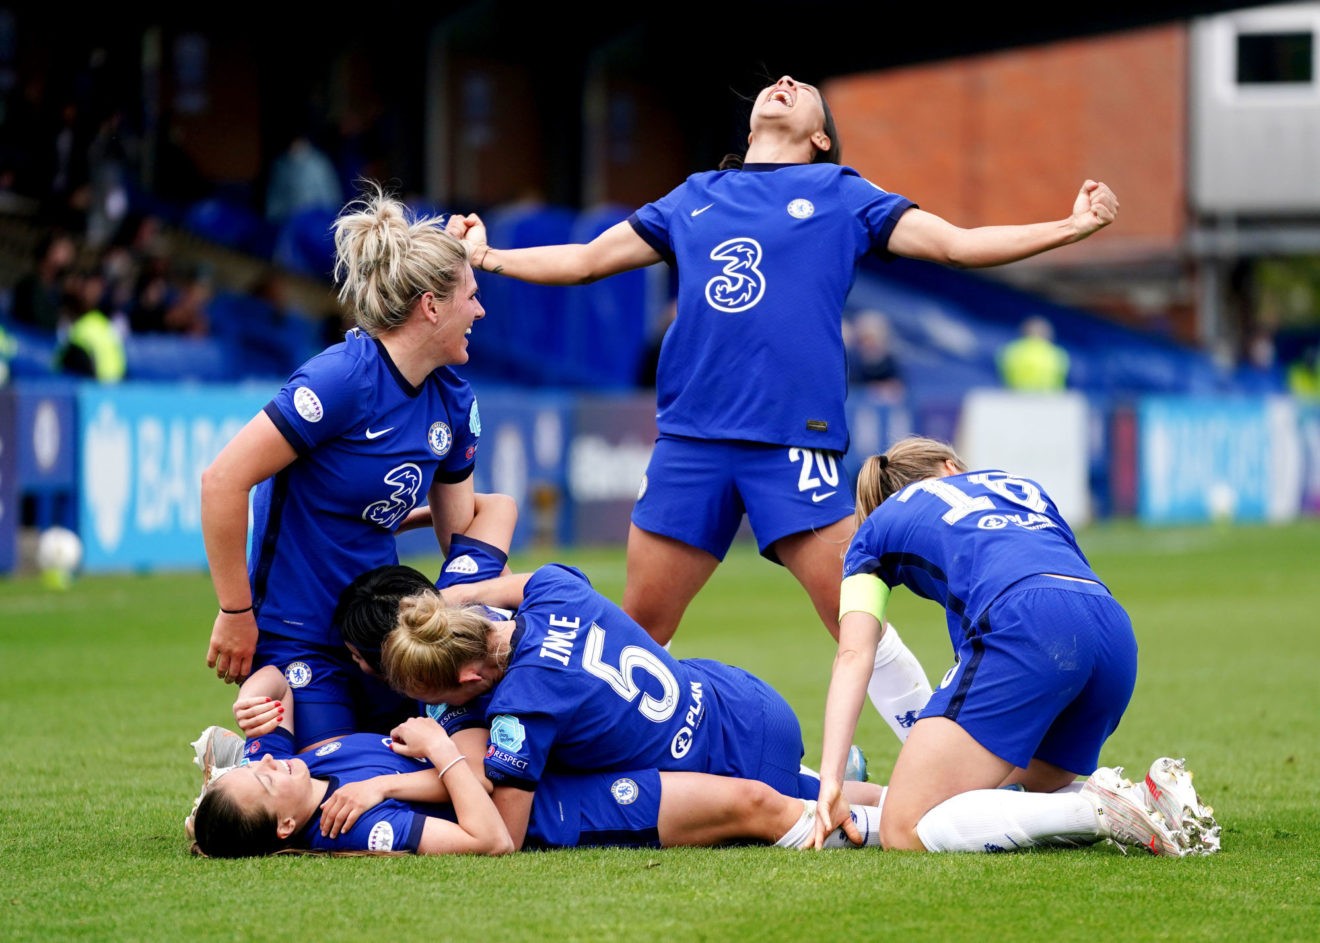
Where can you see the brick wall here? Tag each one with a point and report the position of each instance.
(1008, 137)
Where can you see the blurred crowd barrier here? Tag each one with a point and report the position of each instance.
(121, 464)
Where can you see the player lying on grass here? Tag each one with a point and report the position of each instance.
(571, 682)
(432, 803)
(1046, 662)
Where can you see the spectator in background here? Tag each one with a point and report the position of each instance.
(38, 294)
(1034, 363)
(302, 177)
(62, 169)
(1304, 374)
(8, 347)
(94, 346)
(1259, 371)
(152, 294)
(186, 310)
(109, 158)
(871, 361)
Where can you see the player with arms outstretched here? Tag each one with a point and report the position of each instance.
(752, 374)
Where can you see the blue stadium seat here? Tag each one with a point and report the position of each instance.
(230, 224)
(306, 243)
(262, 341)
(947, 327)
(34, 352)
(609, 321)
(171, 357)
(523, 337)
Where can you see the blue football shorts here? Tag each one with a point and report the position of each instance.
(1046, 674)
(760, 737)
(331, 696)
(581, 810)
(697, 491)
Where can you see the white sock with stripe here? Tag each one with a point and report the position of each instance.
(1006, 820)
(898, 687)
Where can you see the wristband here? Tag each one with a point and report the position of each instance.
(450, 765)
(236, 612)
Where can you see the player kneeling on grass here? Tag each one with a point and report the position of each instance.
(273, 804)
(1046, 665)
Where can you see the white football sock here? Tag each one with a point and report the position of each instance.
(803, 832)
(867, 819)
(800, 834)
(1005, 820)
(898, 687)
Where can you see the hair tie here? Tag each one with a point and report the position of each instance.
(884, 461)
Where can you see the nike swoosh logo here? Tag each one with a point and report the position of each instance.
(817, 498)
(376, 434)
(702, 210)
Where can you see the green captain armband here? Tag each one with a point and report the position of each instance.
(863, 592)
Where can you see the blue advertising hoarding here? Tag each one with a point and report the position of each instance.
(142, 451)
(9, 504)
(1230, 458)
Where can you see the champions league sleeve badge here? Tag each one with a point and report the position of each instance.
(308, 404)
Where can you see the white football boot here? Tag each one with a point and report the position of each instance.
(1169, 785)
(1127, 815)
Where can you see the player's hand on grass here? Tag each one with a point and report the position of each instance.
(341, 810)
(233, 643)
(257, 715)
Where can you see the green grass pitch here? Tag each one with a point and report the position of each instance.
(102, 687)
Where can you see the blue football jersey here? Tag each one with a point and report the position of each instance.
(587, 689)
(392, 825)
(369, 447)
(963, 540)
(568, 811)
(766, 256)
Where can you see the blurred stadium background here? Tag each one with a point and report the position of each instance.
(158, 143)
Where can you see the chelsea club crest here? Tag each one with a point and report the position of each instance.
(624, 791)
(440, 438)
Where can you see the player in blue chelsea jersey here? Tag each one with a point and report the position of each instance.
(359, 437)
(572, 683)
(752, 374)
(428, 800)
(1046, 664)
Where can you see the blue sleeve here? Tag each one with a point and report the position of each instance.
(458, 463)
(460, 717)
(550, 575)
(876, 209)
(278, 743)
(390, 826)
(864, 551)
(325, 398)
(519, 746)
(651, 222)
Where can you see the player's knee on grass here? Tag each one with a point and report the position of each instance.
(898, 833)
